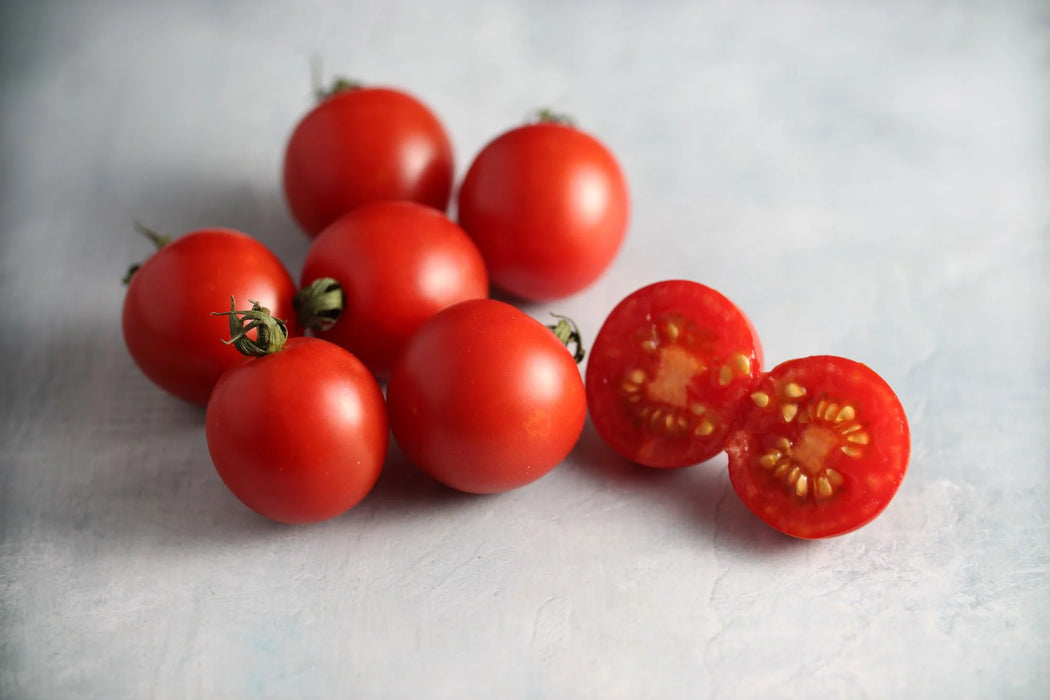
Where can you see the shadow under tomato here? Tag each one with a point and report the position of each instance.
(701, 494)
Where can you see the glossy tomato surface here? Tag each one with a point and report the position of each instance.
(300, 435)
(821, 449)
(548, 206)
(364, 145)
(485, 398)
(398, 263)
(669, 371)
(167, 317)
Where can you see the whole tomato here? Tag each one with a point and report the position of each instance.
(365, 144)
(485, 398)
(548, 206)
(299, 433)
(167, 317)
(387, 267)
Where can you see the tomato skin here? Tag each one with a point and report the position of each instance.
(298, 436)
(363, 145)
(167, 316)
(485, 399)
(548, 206)
(398, 263)
(669, 371)
(835, 425)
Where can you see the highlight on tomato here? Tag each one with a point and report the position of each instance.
(166, 318)
(485, 398)
(548, 206)
(821, 449)
(378, 272)
(669, 372)
(299, 433)
(365, 144)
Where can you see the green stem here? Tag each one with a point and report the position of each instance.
(546, 115)
(270, 332)
(159, 240)
(320, 304)
(567, 332)
(338, 85)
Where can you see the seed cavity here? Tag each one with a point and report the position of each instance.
(826, 428)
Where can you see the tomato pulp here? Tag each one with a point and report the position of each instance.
(821, 448)
(669, 371)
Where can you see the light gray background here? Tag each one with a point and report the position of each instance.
(869, 179)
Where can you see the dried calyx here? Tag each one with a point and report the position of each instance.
(270, 332)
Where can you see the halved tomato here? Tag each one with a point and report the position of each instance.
(669, 372)
(821, 449)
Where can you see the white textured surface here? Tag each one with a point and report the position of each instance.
(864, 179)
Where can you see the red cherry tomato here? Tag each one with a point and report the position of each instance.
(300, 435)
(548, 206)
(821, 449)
(397, 263)
(167, 322)
(485, 398)
(669, 371)
(363, 145)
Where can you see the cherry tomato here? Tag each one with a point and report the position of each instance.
(669, 371)
(485, 398)
(821, 449)
(167, 322)
(548, 206)
(299, 435)
(363, 145)
(397, 264)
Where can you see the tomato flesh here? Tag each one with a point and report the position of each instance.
(669, 371)
(821, 448)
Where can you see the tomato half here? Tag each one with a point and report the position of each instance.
(300, 435)
(669, 372)
(485, 398)
(397, 264)
(361, 145)
(167, 316)
(548, 206)
(821, 449)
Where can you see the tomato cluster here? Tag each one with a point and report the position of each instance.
(479, 395)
